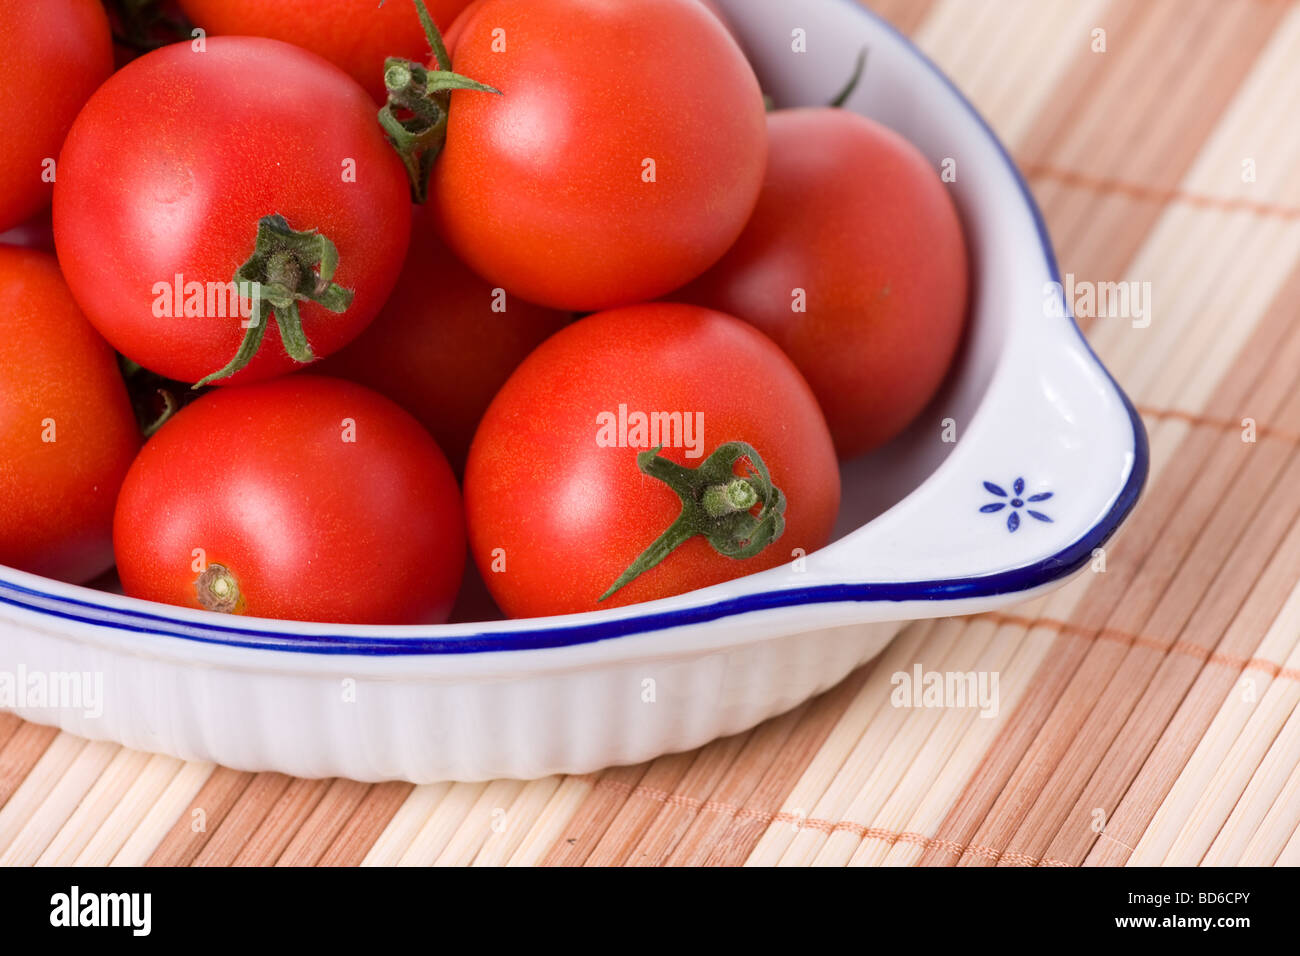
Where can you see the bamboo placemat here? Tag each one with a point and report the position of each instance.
(1148, 712)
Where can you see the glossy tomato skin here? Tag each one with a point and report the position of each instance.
(442, 347)
(67, 432)
(568, 514)
(857, 218)
(355, 36)
(53, 55)
(451, 34)
(312, 526)
(173, 162)
(544, 190)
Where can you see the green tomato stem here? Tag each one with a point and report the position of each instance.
(716, 503)
(286, 267)
(843, 96)
(419, 101)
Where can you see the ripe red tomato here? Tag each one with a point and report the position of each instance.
(305, 498)
(557, 503)
(67, 433)
(53, 55)
(445, 343)
(855, 226)
(352, 35)
(451, 34)
(622, 160)
(168, 171)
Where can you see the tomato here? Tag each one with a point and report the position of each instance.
(182, 160)
(445, 343)
(53, 55)
(855, 264)
(306, 498)
(558, 504)
(451, 34)
(622, 159)
(355, 36)
(67, 433)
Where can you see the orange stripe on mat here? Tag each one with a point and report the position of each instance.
(1224, 424)
(906, 15)
(1137, 113)
(733, 831)
(1183, 648)
(735, 789)
(1161, 196)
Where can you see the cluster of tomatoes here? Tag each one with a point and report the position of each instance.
(617, 344)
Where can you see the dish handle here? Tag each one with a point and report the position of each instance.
(1053, 460)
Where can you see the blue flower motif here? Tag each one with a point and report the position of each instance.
(1015, 504)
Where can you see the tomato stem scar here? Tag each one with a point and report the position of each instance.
(218, 590)
(716, 503)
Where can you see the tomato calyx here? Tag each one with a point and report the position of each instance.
(716, 503)
(287, 266)
(419, 100)
(218, 590)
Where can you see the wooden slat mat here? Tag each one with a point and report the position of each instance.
(1148, 712)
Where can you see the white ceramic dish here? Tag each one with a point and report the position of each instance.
(572, 694)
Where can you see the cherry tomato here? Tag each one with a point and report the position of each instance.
(53, 55)
(622, 159)
(855, 264)
(558, 490)
(306, 498)
(445, 343)
(177, 166)
(67, 433)
(355, 36)
(451, 34)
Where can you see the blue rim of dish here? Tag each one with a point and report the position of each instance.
(1024, 578)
